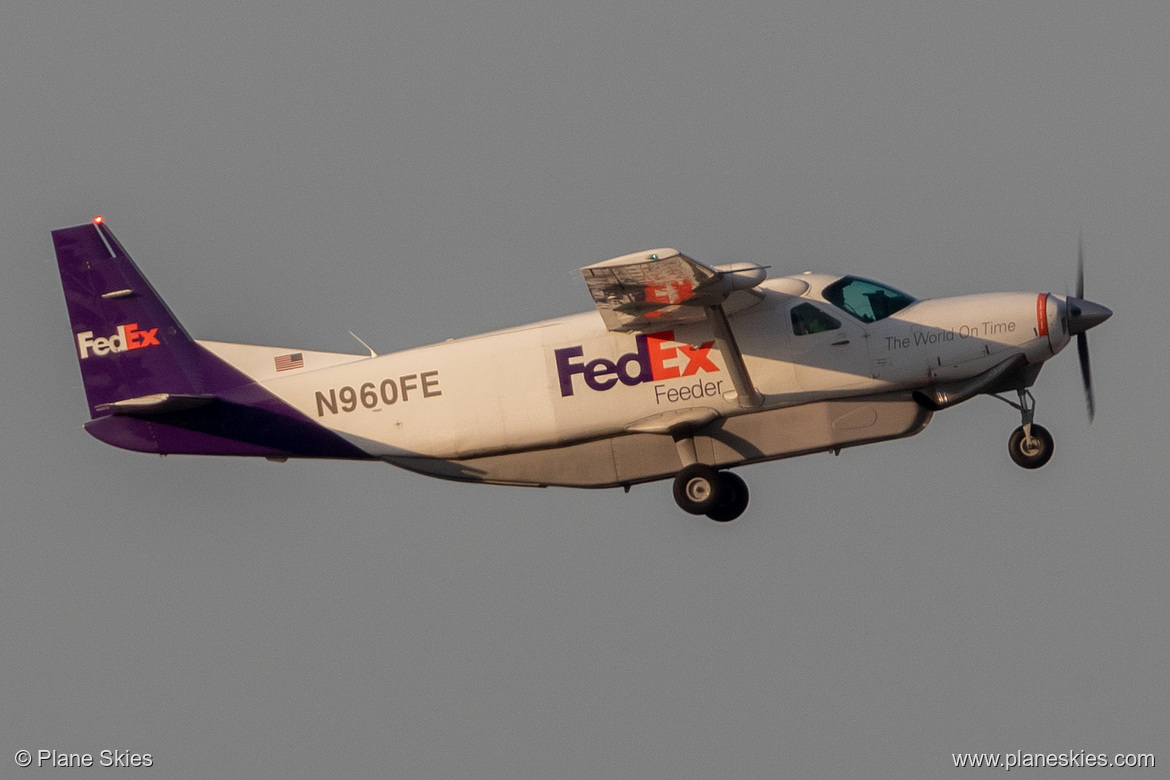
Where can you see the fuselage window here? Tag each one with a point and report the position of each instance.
(867, 301)
(807, 319)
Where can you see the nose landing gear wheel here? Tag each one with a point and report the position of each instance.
(1031, 452)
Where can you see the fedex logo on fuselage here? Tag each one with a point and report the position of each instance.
(651, 361)
(127, 336)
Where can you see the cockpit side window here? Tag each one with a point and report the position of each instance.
(867, 301)
(807, 319)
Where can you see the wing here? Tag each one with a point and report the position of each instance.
(661, 287)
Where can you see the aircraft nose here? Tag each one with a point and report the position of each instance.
(1083, 315)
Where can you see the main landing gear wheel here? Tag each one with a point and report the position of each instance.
(696, 488)
(1033, 451)
(733, 498)
(702, 490)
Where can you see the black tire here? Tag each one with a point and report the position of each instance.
(733, 498)
(1031, 453)
(697, 488)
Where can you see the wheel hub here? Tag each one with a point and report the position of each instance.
(698, 489)
(1031, 446)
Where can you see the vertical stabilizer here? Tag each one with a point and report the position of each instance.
(127, 341)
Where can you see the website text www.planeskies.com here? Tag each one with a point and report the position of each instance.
(1069, 758)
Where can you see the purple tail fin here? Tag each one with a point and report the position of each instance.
(127, 341)
(150, 386)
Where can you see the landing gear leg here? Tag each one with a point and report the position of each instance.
(1030, 445)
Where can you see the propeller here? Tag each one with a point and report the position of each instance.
(1083, 315)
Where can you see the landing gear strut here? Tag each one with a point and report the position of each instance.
(702, 490)
(1030, 445)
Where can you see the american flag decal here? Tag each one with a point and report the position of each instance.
(289, 362)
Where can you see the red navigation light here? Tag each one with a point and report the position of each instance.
(97, 220)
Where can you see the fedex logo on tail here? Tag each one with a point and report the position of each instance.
(127, 337)
(651, 361)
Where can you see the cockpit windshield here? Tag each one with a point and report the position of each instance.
(866, 300)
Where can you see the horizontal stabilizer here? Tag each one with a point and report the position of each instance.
(220, 427)
(158, 403)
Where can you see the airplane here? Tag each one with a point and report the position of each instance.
(682, 372)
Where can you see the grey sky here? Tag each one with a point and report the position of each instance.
(286, 172)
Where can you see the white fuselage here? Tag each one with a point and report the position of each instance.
(569, 380)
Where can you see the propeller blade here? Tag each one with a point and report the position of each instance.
(1084, 315)
(1086, 373)
(1080, 266)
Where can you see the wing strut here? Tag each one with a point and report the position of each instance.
(746, 394)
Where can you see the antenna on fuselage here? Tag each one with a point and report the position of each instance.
(364, 344)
